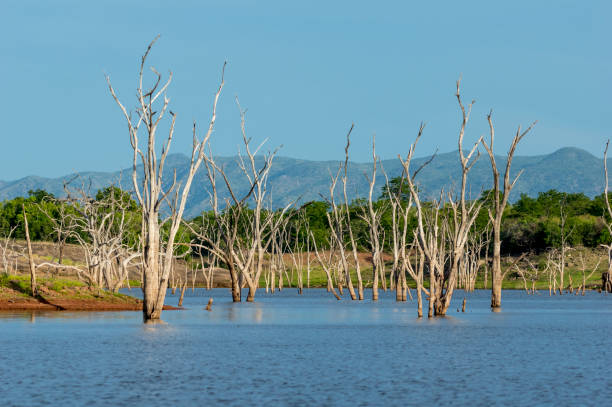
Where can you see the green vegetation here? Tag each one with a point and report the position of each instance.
(511, 282)
(56, 288)
(531, 225)
(21, 283)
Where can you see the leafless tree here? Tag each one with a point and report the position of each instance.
(402, 250)
(340, 224)
(208, 264)
(9, 251)
(372, 215)
(500, 199)
(150, 191)
(443, 239)
(99, 226)
(238, 235)
(30, 255)
(296, 252)
(585, 276)
(607, 276)
(530, 274)
(471, 263)
(327, 264)
(552, 270)
(182, 281)
(565, 234)
(60, 222)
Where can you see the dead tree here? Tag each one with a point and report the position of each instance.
(298, 245)
(472, 259)
(533, 275)
(428, 235)
(99, 226)
(525, 275)
(402, 250)
(150, 191)
(183, 284)
(326, 264)
(238, 235)
(459, 216)
(552, 270)
(340, 225)
(565, 235)
(30, 255)
(9, 251)
(208, 264)
(399, 212)
(337, 224)
(371, 215)
(347, 214)
(60, 222)
(500, 199)
(585, 276)
(606, 277)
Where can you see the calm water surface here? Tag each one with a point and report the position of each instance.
(295, 350)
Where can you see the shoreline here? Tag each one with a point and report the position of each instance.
(73, 304)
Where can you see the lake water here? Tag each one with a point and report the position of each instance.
(293, 350)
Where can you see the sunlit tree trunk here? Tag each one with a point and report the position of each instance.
(33, 286)
(151, 192)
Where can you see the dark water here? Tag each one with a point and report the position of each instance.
(313, 350)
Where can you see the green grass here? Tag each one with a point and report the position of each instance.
(17, 283)
(133, 283)
(318, 278)
(59, 284)
(65, 261)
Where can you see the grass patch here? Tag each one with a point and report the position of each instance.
(318, 279)
(59, 284)
(17, 283)
(134, 283)
(65, 261)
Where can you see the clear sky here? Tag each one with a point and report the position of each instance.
(305, 70)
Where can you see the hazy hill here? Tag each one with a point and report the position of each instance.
(567, 169)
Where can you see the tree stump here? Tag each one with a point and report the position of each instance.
(606, 282)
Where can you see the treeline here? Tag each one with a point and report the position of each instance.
(529, 224)
(55, 219)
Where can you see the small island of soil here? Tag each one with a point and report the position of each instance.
(59, 294)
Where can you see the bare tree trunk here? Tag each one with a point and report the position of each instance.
(374, 280)
(183, 288)
(419, 301)
(432, 294)
(236, 292)
(30, 255)
(152, 287)
(496, 271)
(151, 192)
(500, 199)
(60, 257)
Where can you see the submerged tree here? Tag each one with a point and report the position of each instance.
(606, 277)
(151, 190)
(443, 228)
(500, 200)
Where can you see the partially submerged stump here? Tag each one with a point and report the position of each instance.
(209, 306)
(606, 282)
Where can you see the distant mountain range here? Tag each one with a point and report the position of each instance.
(567, 169)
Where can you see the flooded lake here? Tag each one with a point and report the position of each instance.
(293, 350)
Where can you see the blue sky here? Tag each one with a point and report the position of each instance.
(305, 71)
